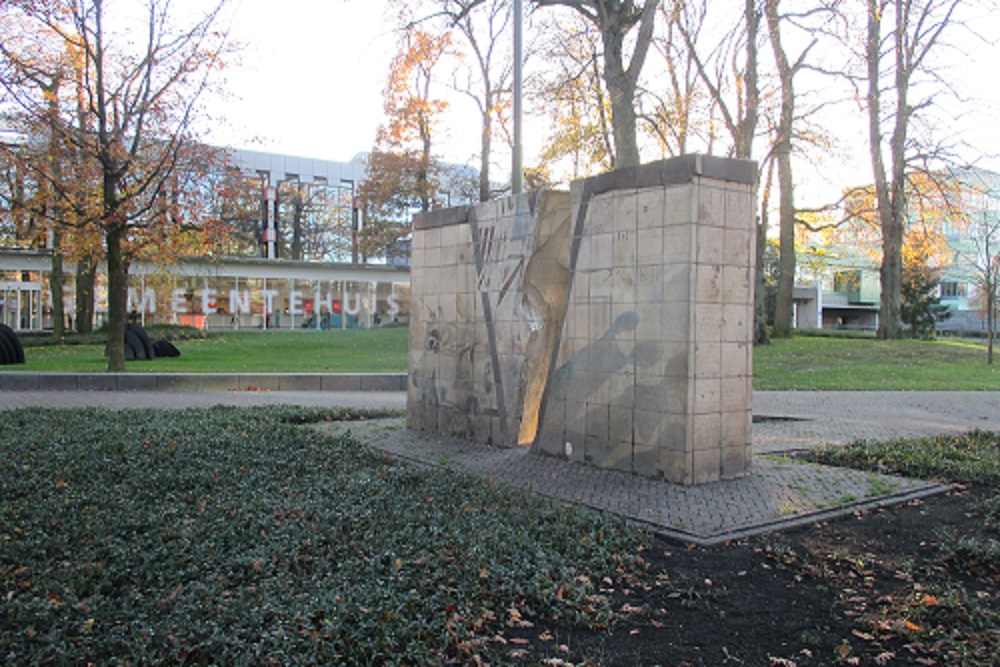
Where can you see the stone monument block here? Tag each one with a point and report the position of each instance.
(611, 325)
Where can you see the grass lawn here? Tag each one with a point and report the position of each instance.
(382, 350)
(818, 363)
(802, 363)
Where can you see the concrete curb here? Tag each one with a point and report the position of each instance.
(311, 382)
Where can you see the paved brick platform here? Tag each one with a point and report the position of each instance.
(779, 493)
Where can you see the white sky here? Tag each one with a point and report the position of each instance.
(311, 79)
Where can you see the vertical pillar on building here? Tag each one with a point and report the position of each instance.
(372, 303)
(269, 215)
(205, 311)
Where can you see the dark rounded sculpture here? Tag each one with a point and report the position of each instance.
(164, 348)
(138, 346)
(137, 343)
(11, 350)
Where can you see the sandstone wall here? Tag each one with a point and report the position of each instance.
(611, 325)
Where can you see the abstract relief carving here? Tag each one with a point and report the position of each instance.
(610, 325)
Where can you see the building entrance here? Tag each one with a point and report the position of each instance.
(21, 305)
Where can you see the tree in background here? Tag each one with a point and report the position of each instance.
(396, 186)
(237, 205)
(402, 174)
(921, 308)
(42, 159)
(681, 108)
(485, 30)
(314, 221)
(979, 217)
(728, 67)
(615, 20)
(935, 212)
(572, 93)
(900, 35)
(787, 70)
(481, 51)
(139, 80)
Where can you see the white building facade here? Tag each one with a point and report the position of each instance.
(262, 288)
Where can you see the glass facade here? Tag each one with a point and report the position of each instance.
(253, 300)
(22, 304)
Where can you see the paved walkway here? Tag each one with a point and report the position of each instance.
(779, 493)
(123, 400)
(799, 419)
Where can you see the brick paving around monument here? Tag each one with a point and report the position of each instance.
(778, 493)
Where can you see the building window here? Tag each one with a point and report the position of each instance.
(954, 290)
(846, 281)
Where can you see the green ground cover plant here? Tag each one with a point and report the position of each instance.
(228, 536)
(382, 350)
(236, 536)
(968, 458)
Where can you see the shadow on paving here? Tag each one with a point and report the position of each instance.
(779, 493)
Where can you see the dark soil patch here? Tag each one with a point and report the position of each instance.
(879, 588)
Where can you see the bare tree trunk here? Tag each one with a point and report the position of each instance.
(991, 321)
(761, 336)
(991, 298)
(747, 125)
(893, 232)
(114, 239)
(485, 145)
(746, 129)
(423, 173)
(614, 19)
(86, 273)
(622, 111)
(56, 283)
(117, 288)
(874, 102)
(785, 305)
(606, 137)
(55, 164)
(891, 277)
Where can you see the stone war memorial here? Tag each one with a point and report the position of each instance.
(610, 325)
